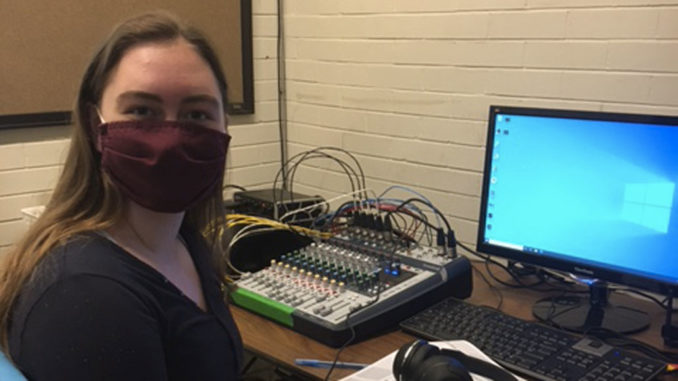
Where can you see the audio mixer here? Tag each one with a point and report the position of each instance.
(361, 279)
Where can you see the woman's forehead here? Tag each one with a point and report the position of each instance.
(169, 69)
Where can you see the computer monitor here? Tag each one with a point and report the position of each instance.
(587, 193)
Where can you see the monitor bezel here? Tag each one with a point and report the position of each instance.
(580, 269)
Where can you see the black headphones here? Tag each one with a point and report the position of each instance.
(420, 361)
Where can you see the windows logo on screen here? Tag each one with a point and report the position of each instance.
(649, 204)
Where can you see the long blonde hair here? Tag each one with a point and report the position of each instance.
(84, 198)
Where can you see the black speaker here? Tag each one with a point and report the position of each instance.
(420, 361)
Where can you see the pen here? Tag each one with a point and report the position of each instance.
(326, 364)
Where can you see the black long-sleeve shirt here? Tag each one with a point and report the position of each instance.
(94, 312)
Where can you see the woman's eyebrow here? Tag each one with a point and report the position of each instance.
(200, 99)
(134, 95)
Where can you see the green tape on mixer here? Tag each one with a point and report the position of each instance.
(263, 306)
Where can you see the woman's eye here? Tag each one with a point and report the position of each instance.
(140, 112)
(198, 115)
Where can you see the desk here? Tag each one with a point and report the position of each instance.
(281, 345)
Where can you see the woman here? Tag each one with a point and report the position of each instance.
(115, 281)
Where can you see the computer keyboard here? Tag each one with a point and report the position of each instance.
(529, 348)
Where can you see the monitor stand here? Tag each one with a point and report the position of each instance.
(581, 313)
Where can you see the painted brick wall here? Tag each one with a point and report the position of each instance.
(31, 159)
(406, 85)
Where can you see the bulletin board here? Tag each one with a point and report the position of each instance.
(46, 46)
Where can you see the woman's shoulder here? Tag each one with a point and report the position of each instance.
(84, 254)
(88, 263)
(87, 258)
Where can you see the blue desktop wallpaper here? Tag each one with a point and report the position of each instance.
(596, 192)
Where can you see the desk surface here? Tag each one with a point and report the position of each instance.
(281, 345)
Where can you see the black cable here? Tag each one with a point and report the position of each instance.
(284, 168)
(487, 260)
(520, 283)
(303, 155)
(228, 186)
(426, 222)
(492, 287)
(308, 156)
(649, 297)
(281, 90)
(357, 163)
(360, 169)
(415, 199)
(352, 329)
(515, 277)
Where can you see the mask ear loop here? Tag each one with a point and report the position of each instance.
(101, 117)
(94, 127)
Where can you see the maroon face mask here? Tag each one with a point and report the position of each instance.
(165, 166)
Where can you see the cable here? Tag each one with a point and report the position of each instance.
(519, 283)
(411, 200)
(291, 213)
(256, 225)
(282, 104)
(314, 153)
(492, 287)
(662, 304)
(406, 189)
(347, 169)
(357, 163)
(352, 329)
(227, 186)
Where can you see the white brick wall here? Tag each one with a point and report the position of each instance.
(406, 85)
(30, 159)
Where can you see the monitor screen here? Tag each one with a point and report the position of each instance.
(589, 193)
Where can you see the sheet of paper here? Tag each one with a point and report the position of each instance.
(382, 370)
